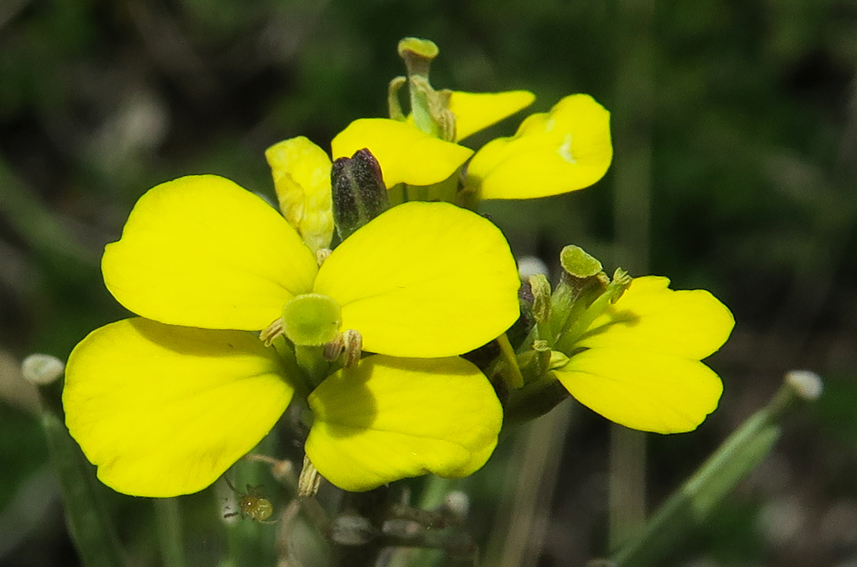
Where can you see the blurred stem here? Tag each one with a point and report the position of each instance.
(170, 532)
(691, 504)
(530, 482)
(627, 482)
(534, 400)
(31, 219)
(438, 542)
(88, 522)
(632, 132)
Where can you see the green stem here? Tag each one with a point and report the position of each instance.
(170, 532)
(627, 480)
(513, 377)
(88, 522)
(532, 401)
(691, 505)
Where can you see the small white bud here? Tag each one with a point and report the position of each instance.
(350, 529)
(805, 383)
(458, 504)
(531, 266)
(42, 369)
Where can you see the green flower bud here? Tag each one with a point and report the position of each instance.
(359, 193)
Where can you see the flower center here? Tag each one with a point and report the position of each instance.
(311, 319)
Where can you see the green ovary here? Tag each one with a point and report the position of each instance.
(311, 319)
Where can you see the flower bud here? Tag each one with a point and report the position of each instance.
(351, 529)
(300, 170)
(42, 369)
(359, 193)
(806, 384)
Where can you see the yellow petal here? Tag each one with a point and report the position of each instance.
(476, 111)
(393, 418)
(203, 252)
(649, 316)
(552, 153)
(301, 173)
(641, 367)
(424, 280)
(406, 153)
(643, 390)
(165, 410)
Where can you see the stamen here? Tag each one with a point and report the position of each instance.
(309, 479)
(353, 347)
(271, 332)
(321, 255)
(332, 349)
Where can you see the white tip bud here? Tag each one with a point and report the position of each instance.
(458, 504)
(350, 529)
(42, 369)
(283, 470)
(805, 383)
(531, 266)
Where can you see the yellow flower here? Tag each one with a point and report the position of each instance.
(201, 251)
(166, 403)
(164, 410)
(409, 155)
(556, 152)
(563, 150)
(638, 363)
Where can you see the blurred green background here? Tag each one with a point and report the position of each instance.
(735, 129)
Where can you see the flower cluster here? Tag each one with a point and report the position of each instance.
(241, 309)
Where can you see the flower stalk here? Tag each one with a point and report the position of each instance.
(736, 458)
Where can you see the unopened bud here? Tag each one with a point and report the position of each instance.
(283, 470)
(359, 193)
(530, 266)
(42, 369)
(457, 503)
(351, 529)
(805, 383)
